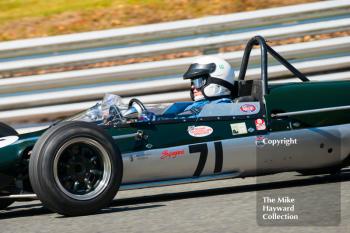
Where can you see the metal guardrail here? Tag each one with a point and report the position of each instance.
(50, 97)
(141, 71)
(46, 97)
(49, 113)
(52, 112)
(63, 110)
(203, 43)
(181, 28)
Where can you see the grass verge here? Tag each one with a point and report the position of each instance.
(36, 18)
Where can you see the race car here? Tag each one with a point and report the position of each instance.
(76, 166)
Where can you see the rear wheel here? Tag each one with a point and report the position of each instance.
(75, 168)
(6, 130)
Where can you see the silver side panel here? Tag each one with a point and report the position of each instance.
(315, 148)
(150, 165)
(230, 109)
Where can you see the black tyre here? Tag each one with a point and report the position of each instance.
(75, 168)
(6, 130)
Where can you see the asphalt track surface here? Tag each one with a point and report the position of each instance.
(217, 206)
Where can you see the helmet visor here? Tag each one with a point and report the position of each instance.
(199, 82)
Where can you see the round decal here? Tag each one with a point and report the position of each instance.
(248, 108)
(5, 141)
(199, 131)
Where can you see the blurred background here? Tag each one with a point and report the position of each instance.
(59, 57)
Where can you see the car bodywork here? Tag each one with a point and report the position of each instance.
(226, 143)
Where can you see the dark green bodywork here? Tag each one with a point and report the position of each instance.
(163, 134)
(312, 95)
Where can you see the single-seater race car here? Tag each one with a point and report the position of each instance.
(76, 166)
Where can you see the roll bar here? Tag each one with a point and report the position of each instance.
(265, 48)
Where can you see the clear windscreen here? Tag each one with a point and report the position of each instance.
(112, 109)
(108, 108)
(90, 115)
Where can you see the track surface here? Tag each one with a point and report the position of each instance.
(219, 206)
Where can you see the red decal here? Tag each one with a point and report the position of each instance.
(248, 108)
(167, 154)
(260, 124)
(199, 131)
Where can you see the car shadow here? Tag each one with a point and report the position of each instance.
(38, 209)
(113, 209)
(24, 211)
(118, 204)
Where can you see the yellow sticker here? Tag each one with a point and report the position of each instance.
(239, 128)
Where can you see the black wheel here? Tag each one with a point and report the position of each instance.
(6, 130)
(75, 168)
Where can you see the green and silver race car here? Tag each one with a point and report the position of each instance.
(76, 166)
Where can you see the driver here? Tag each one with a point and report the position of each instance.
(211, 83)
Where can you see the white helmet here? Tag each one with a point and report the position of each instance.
(213, 76)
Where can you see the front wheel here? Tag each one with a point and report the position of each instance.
(75, 168)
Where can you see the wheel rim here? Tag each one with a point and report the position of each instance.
(82, 168)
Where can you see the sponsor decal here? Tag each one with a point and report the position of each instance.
(239, 128)
(139, 156)
(172, 154)
(261, 141)
(260, 124)
(251, 130)
(5, 141)
(248, 108)
(199, 131)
